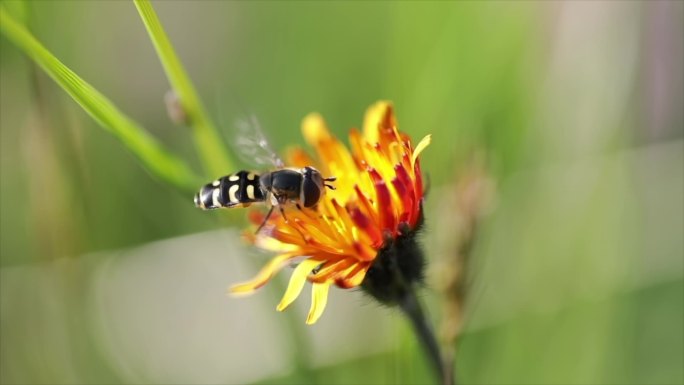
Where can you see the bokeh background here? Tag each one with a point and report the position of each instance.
(569, 113)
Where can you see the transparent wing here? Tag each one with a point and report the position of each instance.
(251, 144)
(244, 134)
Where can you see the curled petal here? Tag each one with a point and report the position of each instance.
(420, 147)
(272, 267)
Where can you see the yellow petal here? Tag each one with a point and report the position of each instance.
(297, 157)
(273, 266)
(420, 147)
(314, 129)
(357, 277)
(335, 159)
(297, 281)
(353, 277)
(374, 116)
(272, 244)
(319, 298)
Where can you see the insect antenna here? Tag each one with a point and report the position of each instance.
(330, 179)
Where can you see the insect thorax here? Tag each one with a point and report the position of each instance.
(284, 184)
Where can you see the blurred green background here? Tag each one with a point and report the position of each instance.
(577, 272)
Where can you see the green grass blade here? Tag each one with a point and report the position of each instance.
(149, 151)
(207, 140)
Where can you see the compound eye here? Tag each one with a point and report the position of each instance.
(311, 193)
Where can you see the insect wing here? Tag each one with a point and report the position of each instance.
(252, 146)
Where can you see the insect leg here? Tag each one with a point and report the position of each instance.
(265, 220)
(282, 212)
(308, 212)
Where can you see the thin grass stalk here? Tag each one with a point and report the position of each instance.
(215, 158)
(209, 145)
(152, 155)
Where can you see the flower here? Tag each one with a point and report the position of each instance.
(360, 233)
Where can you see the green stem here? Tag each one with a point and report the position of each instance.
(207, 140)
(411, 307)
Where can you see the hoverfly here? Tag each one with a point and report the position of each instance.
(277, 188)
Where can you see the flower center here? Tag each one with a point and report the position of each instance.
(398, 266)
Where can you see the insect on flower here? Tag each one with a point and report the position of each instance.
(363, 233)
(278, 188)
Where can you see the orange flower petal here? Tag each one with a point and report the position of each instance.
(406, 198)
(297, 157)
(384, 203)
(365, 204)
(314, 128)
(418, 184)
(376, 116)
(354, 277)
(334, 157)
(331, 270)
(366, 225)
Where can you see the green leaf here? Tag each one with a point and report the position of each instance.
(157, 160)
(207, 140)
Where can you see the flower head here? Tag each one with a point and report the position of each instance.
(362, 233)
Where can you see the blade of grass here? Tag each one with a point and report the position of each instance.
(208, 142)
(216, 159)
(157, 160)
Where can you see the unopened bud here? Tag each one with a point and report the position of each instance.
(175, 109)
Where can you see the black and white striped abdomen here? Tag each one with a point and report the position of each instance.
(239, 189)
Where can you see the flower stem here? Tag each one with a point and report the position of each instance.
(410, 305)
